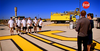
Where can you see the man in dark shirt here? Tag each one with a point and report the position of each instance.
(82, 27)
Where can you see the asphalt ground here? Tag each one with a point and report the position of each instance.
(52, 37)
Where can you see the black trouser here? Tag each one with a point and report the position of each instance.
(79, 42)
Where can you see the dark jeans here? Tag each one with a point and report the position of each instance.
(79, 42)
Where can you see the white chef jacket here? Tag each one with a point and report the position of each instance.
(11, 22)
(29, 22)
(24, 23)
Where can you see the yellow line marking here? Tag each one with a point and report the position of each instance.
(97, 45)
(7, 37)
(40, 38)
(51, 34)
(55, 44)
(67, 48)
(22, 43)
(57, 25)
(25, 45)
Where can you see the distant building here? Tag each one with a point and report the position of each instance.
(96, 22)
(16, 17)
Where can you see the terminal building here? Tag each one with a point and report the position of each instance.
(96, 22)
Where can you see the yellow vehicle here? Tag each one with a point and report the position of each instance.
(64, 17)
(43, 20)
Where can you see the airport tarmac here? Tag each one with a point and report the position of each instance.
(50, 38)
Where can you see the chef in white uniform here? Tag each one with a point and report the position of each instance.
(35, 24)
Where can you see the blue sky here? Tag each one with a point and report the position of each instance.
(43, 8)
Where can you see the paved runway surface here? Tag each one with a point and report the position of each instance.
(51, 38)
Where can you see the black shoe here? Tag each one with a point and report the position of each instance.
(19, 33)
